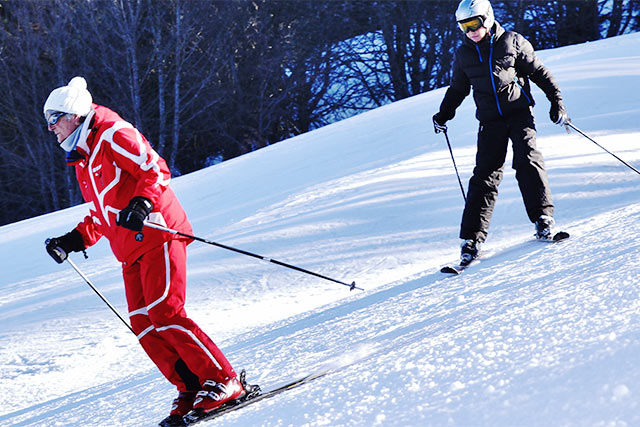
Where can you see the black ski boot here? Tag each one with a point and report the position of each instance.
(543, 227)
(469, 251)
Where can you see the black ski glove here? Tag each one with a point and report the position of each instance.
(558, 114)
(60, 247)
(132, 217)
(439, 122)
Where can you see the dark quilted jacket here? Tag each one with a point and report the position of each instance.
(499, 69)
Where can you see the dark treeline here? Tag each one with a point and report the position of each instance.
(207, 81)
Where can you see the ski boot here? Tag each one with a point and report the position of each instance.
(181, 407)
(543, 227)
(215, 395)
(469, 251)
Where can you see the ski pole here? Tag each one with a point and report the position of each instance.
(454, 164)
(590, 139)
(351, 286)
(86, 279)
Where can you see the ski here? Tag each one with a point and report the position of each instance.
(194, 417)
(558, 237)
(457, 269)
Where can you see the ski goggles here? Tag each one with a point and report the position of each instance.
(52, 117)
(471, 24)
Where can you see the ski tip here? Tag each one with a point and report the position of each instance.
(558, 237)
(449, 270)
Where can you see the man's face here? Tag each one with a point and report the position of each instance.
(64, 126)
(477, 35)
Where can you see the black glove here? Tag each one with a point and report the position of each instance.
(133, 216)
(439, 123)
(59, 247)
(558, 114)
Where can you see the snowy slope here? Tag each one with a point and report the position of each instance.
(536, 335)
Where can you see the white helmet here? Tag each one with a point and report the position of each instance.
(468, 9)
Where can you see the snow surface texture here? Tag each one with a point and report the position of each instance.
(534, 335)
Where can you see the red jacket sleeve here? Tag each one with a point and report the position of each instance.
(89, 231)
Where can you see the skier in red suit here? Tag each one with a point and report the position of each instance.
(125, 181)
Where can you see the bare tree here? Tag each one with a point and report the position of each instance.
(209, 80)
(620, 16)
(36, 172)
(408, 52)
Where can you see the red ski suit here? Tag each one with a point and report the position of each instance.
(119, 164)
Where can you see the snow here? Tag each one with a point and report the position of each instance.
(536, 334)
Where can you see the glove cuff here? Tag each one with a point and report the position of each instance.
(141, 204)
(72, 241)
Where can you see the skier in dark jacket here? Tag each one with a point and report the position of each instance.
(499, 65)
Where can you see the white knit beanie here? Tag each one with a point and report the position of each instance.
(73, 98)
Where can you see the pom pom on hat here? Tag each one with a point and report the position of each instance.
(73, 98)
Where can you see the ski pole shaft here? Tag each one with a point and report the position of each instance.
(351, 286)
(455, 166)
(86, 279)
(591, 139)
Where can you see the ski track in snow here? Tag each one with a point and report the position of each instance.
(535, 334)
